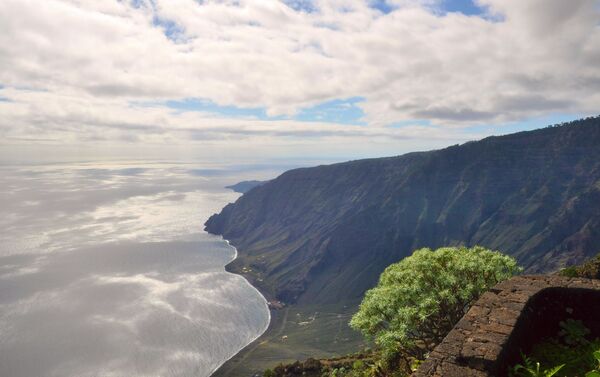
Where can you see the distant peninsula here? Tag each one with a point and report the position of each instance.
(245, 186)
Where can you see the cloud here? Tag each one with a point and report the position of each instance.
(88, 61)
(70, 118)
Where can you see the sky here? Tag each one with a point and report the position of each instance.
(288, 79)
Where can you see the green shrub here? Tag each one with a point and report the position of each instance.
(589, 269)
(573, 332)
(419, 299)
(568, 354)
(570, 272)
(577, 359)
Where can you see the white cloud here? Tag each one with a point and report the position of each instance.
(89, 60)
(52, 117)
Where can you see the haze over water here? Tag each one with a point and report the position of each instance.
(105, 271)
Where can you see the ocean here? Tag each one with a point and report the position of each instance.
(105, 270)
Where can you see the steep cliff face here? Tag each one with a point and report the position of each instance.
(326, 233)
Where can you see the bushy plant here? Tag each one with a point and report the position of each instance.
(573, 332)
(589, 269)
(419, 299)
(568, 354)
(358, 365)
(570, 272)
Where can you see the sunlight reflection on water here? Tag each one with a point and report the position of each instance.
(105, 271)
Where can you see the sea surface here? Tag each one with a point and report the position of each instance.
(105, 270)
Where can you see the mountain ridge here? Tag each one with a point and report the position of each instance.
(325, 233)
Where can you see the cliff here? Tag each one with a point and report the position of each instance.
(326, 233)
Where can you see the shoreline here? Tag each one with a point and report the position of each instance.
(266, 301)
(297, 333)
(293, 332)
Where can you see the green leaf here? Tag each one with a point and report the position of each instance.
(553, 371)
(592, 374)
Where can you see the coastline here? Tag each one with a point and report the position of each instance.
(269, 320)
(293, 332)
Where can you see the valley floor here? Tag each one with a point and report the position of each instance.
(297, 333)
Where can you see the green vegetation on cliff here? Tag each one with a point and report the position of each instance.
(589, 269)
(324, 234)
(419, 299)
(574, 351)
(321, 236)
(415, 305)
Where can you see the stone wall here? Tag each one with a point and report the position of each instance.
(510, 318)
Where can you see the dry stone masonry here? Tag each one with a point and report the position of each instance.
(509, 319)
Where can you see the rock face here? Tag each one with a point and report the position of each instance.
(512, 317)
(325, 234)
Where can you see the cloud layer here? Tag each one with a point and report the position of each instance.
(80, 69)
